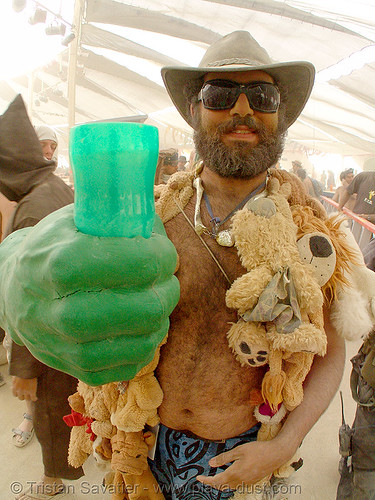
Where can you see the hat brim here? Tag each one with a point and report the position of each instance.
(296, 76)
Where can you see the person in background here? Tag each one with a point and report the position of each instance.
(27, 178)
(363, 185)
(181, 163)
(192, 160)
(166, 166)
(323, 179)
(6, 210)
(346, 178)
(313, 188)
(48, 141)
(330, 180)
(24, 432)
(296, 165)
(357, 478)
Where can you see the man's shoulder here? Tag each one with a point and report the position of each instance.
(364, 177)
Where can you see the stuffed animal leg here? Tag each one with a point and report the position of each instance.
(248, 341)
(139, 402)
(80, 444)
(130, 459)
(307, 337)
(296, 366)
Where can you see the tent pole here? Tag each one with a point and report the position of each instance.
(30, 93)
(72, 65)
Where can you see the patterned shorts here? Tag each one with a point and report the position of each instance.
(180, 457)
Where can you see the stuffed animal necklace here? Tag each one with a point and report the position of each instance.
(224, 237)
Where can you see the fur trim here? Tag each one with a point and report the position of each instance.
(352, 310)
(275, 419)
(179, 187)
(350, 315)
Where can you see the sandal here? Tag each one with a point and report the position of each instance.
(26, 436)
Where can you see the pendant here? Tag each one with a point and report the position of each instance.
(225, 238)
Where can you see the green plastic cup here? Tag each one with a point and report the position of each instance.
(114, 169)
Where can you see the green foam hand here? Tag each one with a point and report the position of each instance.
(90, 288)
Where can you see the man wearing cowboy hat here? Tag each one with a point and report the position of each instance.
(240, 105)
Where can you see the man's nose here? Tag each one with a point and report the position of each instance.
(242, 106)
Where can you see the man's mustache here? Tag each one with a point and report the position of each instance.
(230, 125)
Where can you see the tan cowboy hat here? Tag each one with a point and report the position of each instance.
(238, 51)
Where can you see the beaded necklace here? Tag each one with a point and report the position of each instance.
(224, 237)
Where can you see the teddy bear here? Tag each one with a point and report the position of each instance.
(280, 308)
(108, 422)
(81, 437)
(278, 299)
(138, 404)
(312, 248)
(129, 458)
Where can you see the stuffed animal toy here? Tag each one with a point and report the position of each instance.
(330, 262)
(81, 442)
(138, 404)
(118, 413)
(353, 307)
(130, 450)
(351, 288)
(278, 300)
(279, 303)
(325, 257)
(131, 478)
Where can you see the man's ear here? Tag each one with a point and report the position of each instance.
(192, 111)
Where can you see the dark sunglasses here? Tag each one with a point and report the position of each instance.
(223, 94)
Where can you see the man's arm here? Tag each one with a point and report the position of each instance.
(338, 193)
(257, 460)
(343, 198)
(320, 386)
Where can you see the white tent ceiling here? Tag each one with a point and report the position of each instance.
(123, 44)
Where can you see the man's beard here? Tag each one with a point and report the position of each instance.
(240, 160)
